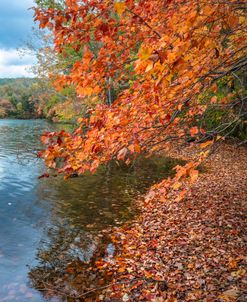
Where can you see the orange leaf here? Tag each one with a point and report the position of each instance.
(194, 131)
(193, 175)
(176, 185)
(206, 144)
(137, 148)
(119, 7)
(121, 269)
(213, 99)
(145, 53)
(181, 195)
(149, 67)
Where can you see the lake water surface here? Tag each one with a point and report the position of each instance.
(52, 219)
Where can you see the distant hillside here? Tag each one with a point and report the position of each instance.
(16, 98)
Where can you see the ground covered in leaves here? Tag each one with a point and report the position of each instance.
(175, 251)
(189, 250)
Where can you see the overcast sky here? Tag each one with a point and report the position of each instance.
(16, 22)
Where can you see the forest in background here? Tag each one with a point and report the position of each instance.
(28, 98)
(16, 98)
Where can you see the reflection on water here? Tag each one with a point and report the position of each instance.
(50, 222)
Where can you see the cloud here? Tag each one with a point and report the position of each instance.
(16, 22)
(12, 65)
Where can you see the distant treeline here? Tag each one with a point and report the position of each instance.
(26, 98)
(19, 81)
(16, 98)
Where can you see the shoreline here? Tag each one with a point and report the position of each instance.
(191, 250)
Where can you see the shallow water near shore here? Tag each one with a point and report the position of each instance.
(52, 220)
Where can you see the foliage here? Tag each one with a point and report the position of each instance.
(170, 53)
(219, 119)
(16, 98)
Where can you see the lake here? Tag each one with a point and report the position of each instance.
(46, 222)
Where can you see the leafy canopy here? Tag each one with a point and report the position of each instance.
(169, 54)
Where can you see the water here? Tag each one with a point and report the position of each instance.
(49, 222)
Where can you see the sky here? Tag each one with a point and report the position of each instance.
(16, 22)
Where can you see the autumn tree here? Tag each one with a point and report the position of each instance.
(177, 60)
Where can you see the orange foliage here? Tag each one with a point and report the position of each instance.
(168, 52)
